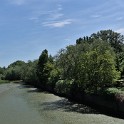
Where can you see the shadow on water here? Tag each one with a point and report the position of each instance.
(32, 89)
(62, 104)
(67, 106)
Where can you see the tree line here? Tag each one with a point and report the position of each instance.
(92, 64)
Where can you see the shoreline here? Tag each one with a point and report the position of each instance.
(7, 86)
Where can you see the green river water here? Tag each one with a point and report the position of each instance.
(24, 105)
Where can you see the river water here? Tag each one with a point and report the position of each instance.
(21, 104)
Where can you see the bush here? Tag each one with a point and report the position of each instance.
(113, 92)
(63, 86)
(122, 89)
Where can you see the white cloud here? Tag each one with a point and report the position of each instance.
(56, 16)
(96, 16)
(33, 18)
(17, 2)
(47, 15)
(59, 7)
(58, 24)
(121, 30)
(51, 18)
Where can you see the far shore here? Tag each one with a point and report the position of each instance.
(6, 86)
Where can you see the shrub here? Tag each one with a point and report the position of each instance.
(63, 86)
(113, 93)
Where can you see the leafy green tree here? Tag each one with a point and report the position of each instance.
(97, 69)
(16, 63)
(91, 66)
(43, 68)
(115, 40)
(13, 73)
(29, 72)
(2, 71)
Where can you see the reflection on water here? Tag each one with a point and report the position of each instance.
(26, 105)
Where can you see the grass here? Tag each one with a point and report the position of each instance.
(4, 81)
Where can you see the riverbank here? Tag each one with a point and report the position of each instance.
(4, 81)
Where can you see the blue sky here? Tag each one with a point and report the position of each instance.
(29, 26)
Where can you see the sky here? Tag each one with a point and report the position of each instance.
(27, 27)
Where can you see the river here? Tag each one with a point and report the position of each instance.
(21, 104)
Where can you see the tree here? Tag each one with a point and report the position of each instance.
(2, 71)
(16, 63)
(97, 69)
(13, 73)
(91, 66)
(43, 69)
(113, 38)
(116, 41)
(28, 72)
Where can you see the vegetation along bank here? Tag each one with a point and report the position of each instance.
(89, 71)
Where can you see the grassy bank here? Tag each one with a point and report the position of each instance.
(4, 81)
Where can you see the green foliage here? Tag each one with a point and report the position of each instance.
(113, 38)
(116, 41)
(4, 81)
(17, 63)
(53, 78)
(112, 91)
(98, 67)
(122, 89)
(2, 72)
(28, 72)
(13, 73)
(44, 67)
(63, 86)
(91, 65)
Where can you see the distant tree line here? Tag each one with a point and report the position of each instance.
(94, 63)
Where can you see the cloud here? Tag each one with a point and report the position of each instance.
(17, 2)
(55, 16)
(41, 14)
(59, 7)
(57, 24)
(121, 30)
(33, 18)
(96, 16)
(51, 18)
